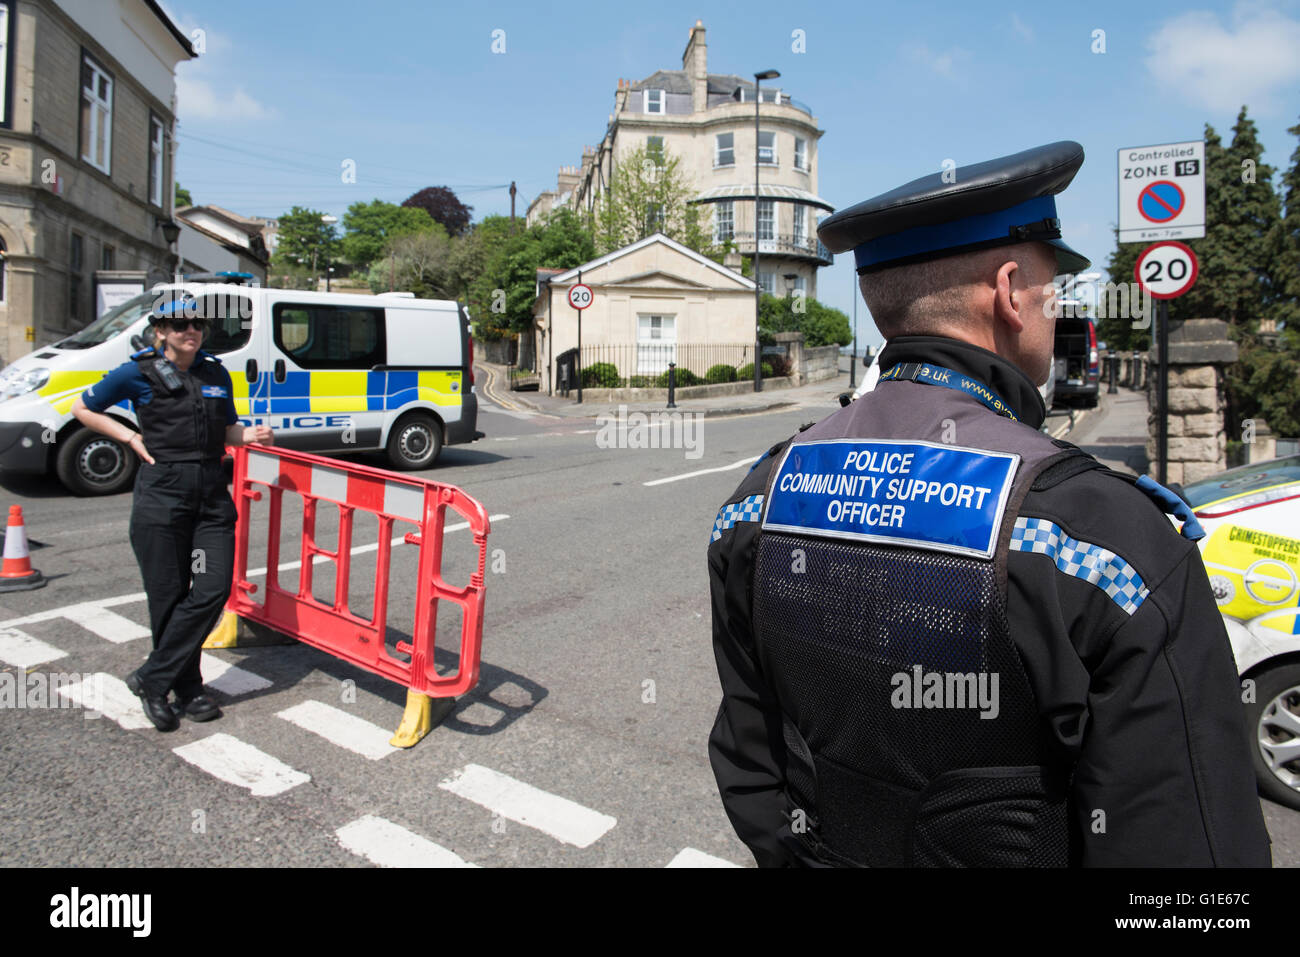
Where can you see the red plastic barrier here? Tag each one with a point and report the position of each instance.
(331, 626)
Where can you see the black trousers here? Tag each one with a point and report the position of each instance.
(183, 535)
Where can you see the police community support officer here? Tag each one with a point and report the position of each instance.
(943, 637)
(182, 518)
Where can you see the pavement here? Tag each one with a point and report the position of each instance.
(750, 403)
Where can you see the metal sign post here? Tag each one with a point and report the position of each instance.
(1165, 270)
(579, 298)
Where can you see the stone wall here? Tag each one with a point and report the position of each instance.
(820, 362)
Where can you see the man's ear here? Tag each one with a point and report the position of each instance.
(1008, 296)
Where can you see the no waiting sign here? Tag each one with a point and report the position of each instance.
(1162, 192)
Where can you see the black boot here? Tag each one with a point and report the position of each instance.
(156, 708)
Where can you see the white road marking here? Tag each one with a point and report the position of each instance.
(690, 857)
(107, 624)
(23, 651)
(391, 845)
(111, 698)
(339, 727)
(372, 547)
(721, 468)
(241, 764)
(53, 613)
(559, 817)
(229, 679)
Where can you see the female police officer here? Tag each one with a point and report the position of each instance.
(182, 520)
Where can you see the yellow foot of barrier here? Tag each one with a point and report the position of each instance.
(421, 714)
(224, 635)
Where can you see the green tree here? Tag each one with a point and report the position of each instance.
(502, 295)
(416, 262)
(820, 324)
(183, 197)
(648, 193)
(369, 227)
(304, 245)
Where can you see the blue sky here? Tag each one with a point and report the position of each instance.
(412, 92)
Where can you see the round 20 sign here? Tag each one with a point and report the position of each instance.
(580, 296)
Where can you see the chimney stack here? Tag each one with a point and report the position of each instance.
(695, 63)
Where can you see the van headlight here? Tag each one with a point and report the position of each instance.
(15, 382)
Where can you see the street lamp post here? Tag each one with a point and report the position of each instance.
(758, 287)
(329, 221)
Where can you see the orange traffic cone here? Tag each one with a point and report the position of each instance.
(17, 573)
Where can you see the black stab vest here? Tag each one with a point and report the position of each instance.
(184, 426)
(880, 785)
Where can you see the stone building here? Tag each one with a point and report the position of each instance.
(706, 120)
(86, 159)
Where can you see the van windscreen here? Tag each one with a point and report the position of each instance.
(112, 323)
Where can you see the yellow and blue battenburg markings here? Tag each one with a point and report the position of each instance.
(1091, 563)
(928, 374)
(914, 493)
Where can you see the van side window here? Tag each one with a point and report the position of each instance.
(319, 336)
(231, 318)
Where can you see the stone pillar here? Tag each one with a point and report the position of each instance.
(1199, 353)
(793, 342)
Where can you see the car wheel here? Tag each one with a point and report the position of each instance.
(1274, 724)
(88, 463)
(415, 442)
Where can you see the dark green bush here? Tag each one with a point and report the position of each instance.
(601, 375)
(747, 371)
(684, 377)
(720, 373)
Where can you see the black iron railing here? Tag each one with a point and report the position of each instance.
(645, 364)
(780, 244)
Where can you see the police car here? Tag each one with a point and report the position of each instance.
(1251, 549)
(329, 372)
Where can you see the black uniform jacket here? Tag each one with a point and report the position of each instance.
(1147, 707)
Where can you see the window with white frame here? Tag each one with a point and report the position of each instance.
(800, 225)
(800, 153)
(767, 282)
(654, 101)
(155, 160)
(96, 114)
(766, 219)
(724, 221)
(767, 148)
(724, 149)
(654, 149)
(656, 343)
(5, 26)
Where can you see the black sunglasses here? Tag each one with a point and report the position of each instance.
(180, 325)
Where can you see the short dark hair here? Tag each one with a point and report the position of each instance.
(922, 298)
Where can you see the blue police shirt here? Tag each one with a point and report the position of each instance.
(127, 381)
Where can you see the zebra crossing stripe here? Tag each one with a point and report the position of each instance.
(391, 845)
(111, 698)
(514, 800)
(339, 727)
(107, 624)
(21, 650)
(236, 762)
(222, 676)
(690, 857)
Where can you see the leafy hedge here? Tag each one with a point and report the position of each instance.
(747, 371)
(720, 373)
(601, 375)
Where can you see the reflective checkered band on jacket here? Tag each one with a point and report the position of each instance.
(1108, 571)
(746, 510)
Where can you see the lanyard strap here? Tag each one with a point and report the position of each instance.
(927, 374)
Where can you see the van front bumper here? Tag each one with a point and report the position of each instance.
(21, 448)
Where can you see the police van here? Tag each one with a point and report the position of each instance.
(329, 372)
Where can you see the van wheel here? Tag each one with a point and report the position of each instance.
(88, 463)
(1273, 720)
(415, 442)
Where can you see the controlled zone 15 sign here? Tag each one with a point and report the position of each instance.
(1166, 270)
(580, 296)
(1162, 192)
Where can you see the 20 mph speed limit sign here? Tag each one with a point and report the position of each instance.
(1166, 270)
(580, 296)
